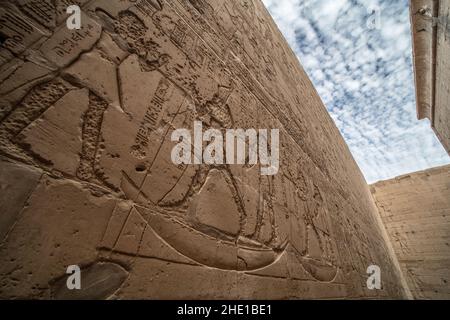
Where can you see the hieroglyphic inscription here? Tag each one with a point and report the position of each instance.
(306, 232)
(151, 117)
(70, 42)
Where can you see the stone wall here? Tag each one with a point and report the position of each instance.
(415, 209)
(430, 20)
(441, 116)
(87, 179)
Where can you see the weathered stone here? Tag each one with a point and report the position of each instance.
(61, 226)
(19, 31)
(415, 209)
(17, 183)
(56, 135)
(431, 53)
(99, 281)
(65, 46)
(95, 109)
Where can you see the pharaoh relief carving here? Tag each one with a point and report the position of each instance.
(97, 106)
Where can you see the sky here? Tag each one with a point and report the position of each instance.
(358, 55)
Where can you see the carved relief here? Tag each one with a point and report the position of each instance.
(100, 118)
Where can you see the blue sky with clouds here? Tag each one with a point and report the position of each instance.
(358, 55)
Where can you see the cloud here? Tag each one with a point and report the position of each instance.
(358, 55)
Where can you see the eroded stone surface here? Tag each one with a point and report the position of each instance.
(431, 57)
(62, 225)
(96, 113)
(100, 281)
(17, 183)
(415, 209)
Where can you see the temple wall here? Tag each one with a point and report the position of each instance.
(431, 56)
(86, 172)
(415, 209)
